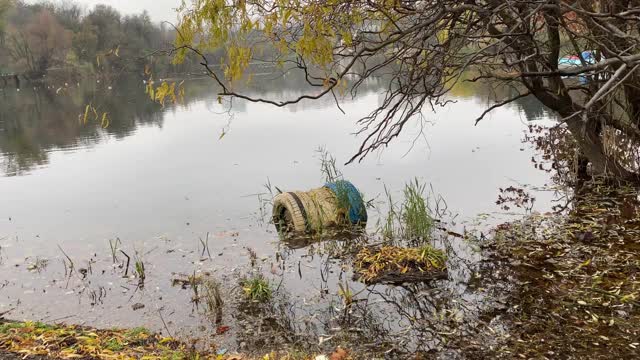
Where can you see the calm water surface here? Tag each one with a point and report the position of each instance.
(159, 179)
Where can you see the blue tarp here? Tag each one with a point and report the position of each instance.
(574, 60)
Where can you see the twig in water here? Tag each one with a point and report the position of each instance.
(164, 323)
(114, 248)
(126, 270)
(253, 257)
(71, 267)
(6, 312)
(205, 246)
(53, 321)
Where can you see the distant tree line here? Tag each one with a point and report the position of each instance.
(39, 38)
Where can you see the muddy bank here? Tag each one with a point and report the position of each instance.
(5, 355)
(38, 341)
(35, 339)
(570, 282)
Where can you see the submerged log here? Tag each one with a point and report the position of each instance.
(397, 278)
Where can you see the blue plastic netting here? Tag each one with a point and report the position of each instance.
(357, 210)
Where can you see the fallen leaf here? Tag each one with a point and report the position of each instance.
(222, 329)
(339, 354)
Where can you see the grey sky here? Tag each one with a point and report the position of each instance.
(159, 10)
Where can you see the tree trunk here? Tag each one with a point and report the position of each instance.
(587, 136)
(582, 174)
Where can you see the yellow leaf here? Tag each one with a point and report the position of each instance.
(586, 263)
(86, 113)
(105, 124)
(165, 340)
(629, 297)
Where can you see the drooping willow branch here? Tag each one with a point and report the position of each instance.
(424, 50)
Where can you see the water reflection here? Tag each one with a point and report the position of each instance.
(160, 179)
(37, 120)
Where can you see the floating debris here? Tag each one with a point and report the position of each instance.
(392, 264)
(337, 204)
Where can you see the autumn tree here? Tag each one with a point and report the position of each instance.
(69, 14)
(140, 35)
(5, 5)
(42, 42)
(85, 43)
(425, 48)
(107, 22)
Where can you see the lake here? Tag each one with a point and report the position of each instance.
(159, 179)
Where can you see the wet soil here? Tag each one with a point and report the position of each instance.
(5, 355)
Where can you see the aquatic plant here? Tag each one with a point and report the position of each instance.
(332, 174)
(388, 229)
(257, 288)
(416, 220)
(140, 271)
(328, 166)
(411, 221)
(265, 201)
(345, 293)
(213, 299)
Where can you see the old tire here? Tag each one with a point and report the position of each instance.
(289, 214)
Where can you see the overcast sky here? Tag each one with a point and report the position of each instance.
(159, 10)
